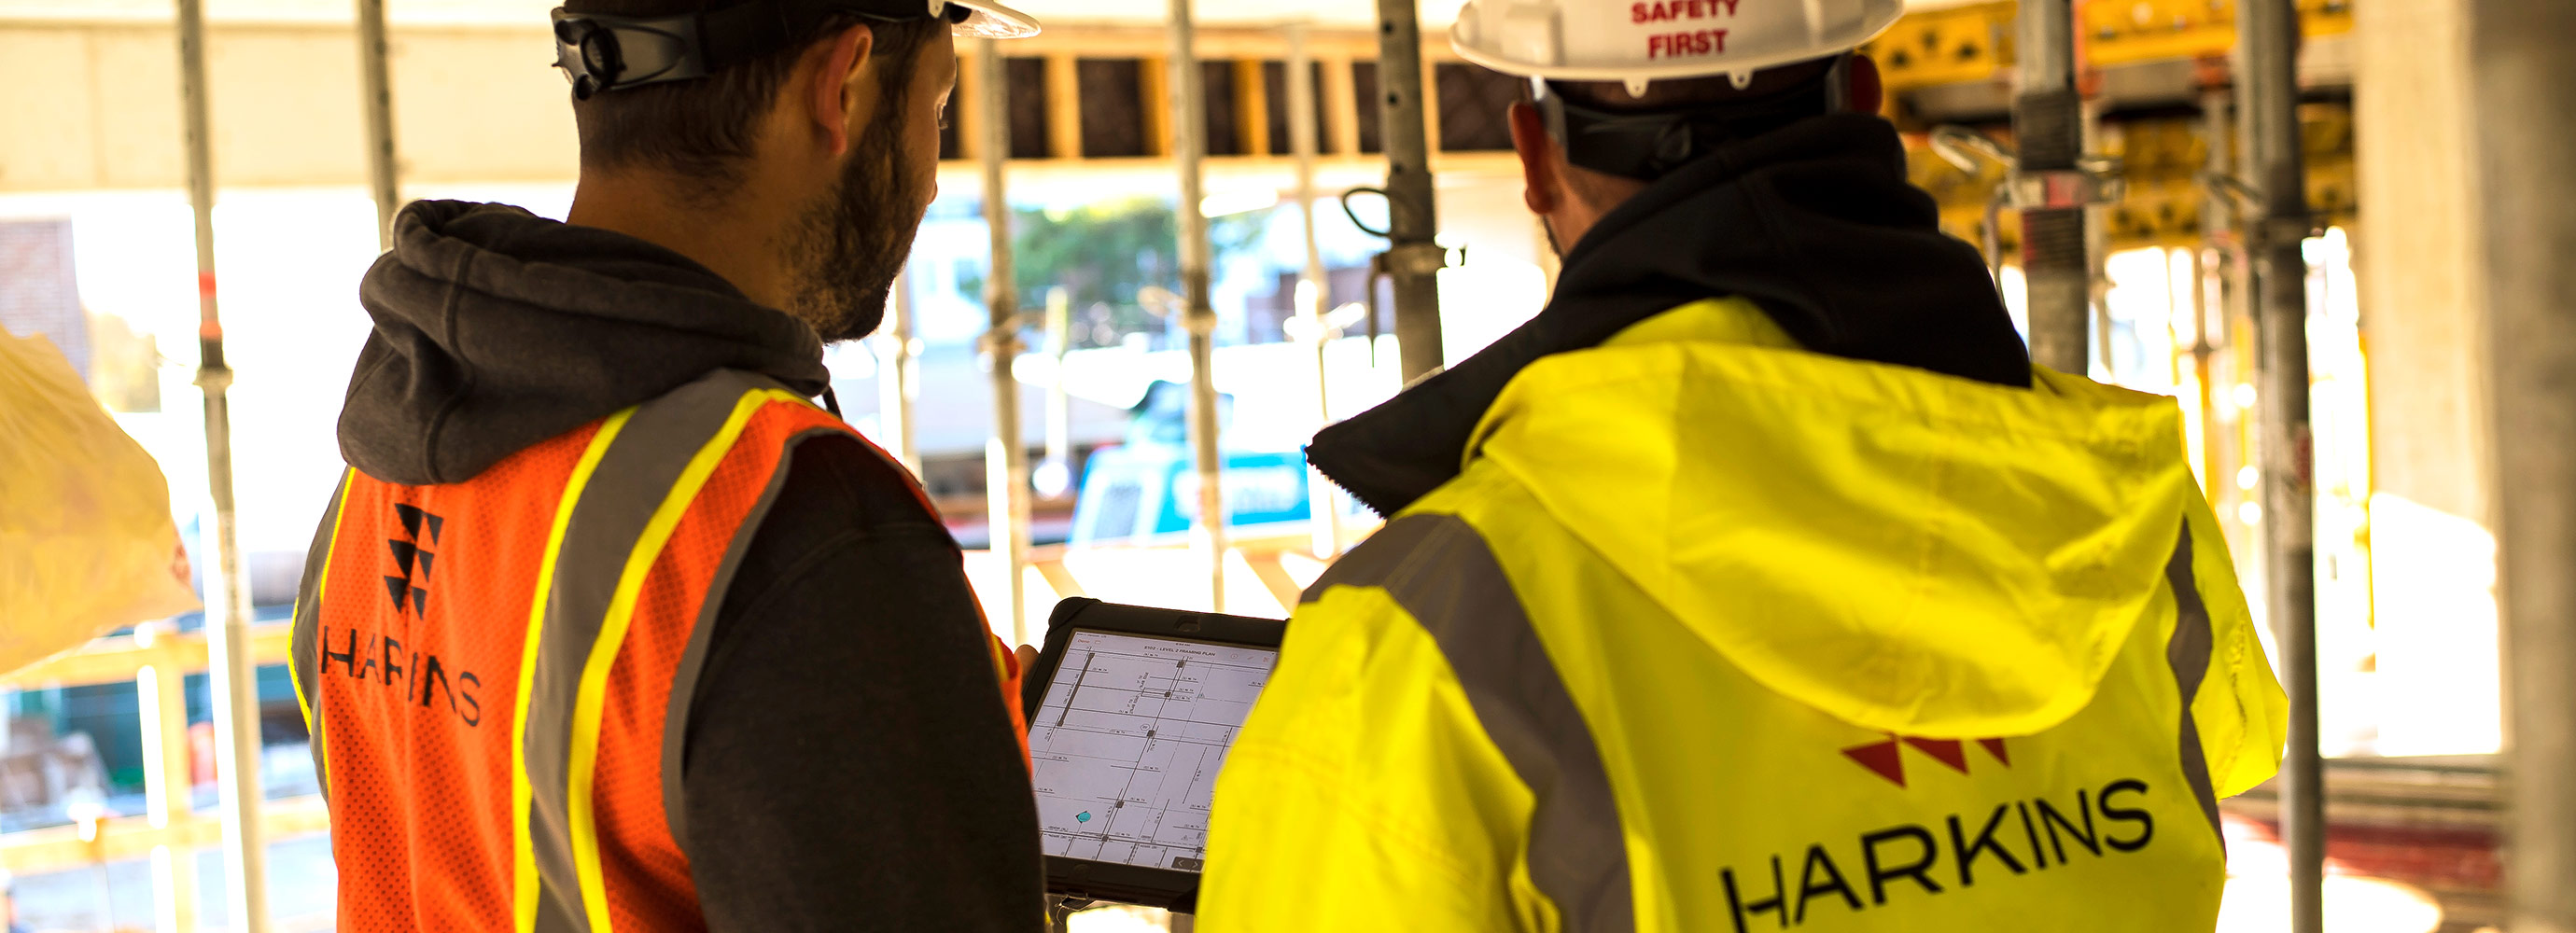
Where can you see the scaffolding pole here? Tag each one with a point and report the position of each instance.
(1413, 259)
(2210, 309)
(897, 382)
(1058, 469)
(1006, 459)
(236, 712)
(2521, 68)
(1189, 150)
(375, 80)
(1312, 288)
(2048, 126)
(2268, 37)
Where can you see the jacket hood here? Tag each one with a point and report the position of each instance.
(496, 329)
(1909, 552)
(1814, 223)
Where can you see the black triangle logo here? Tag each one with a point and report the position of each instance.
(419, 601)
(410, 515)
(398, 588)
(403, 552)
(426, 557)
(435, 521)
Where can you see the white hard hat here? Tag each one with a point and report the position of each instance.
(1638, 40)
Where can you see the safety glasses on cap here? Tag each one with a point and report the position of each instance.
(603, 52)
(984, 19)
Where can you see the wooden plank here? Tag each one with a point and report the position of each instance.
(1275, 578)
(1341, 107)
(1153, 83)
(1251, 107)
(966, 109)
(1430, 104)
(1064, 106)
(1213, 42)
(1058, 578)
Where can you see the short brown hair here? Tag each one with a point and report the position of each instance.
(703, 128)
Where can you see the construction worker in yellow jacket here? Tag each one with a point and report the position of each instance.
(1759, 582)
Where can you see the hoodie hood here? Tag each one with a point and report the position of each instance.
(1814, 223)
(496, 329)
(1909, 552)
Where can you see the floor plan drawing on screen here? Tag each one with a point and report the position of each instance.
(1128, 742)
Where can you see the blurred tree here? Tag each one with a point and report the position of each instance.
(1105, 253)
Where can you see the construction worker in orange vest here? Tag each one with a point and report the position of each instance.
(608, 626)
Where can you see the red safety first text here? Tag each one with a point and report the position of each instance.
(1659, 11)
(1678, 44)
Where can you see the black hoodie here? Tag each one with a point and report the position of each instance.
(846, 734)
(1814, 223)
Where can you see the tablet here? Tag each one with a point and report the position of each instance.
(1131, 710)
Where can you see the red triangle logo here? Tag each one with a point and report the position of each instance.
(1945, 751)
(1995, 747)
(1881, 758)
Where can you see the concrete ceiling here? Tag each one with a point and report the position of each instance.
(1345, 13)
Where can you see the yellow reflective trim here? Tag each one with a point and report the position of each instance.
(523, 852)
(592, 700)
(321, 589)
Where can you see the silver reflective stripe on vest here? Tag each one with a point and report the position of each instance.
(2188, 652)
(635, 475)
(304, 650)
(1438, 568)
(684, 680)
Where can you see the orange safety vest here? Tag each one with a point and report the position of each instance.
(497, 673)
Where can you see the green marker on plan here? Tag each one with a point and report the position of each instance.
(1082, 817)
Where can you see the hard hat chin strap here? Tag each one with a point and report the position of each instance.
(1648, 145)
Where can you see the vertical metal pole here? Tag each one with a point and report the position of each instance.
(2522, 67)
(1059, 403)
(1006, 458)
(2268, 33)
(1322, 501)
(2047, 120)
(2210, 317)
(896, 379)
(374, 77)
(1189, 149)
(1413, 259)
(236, 711)
(161, 695)
(2097, 243)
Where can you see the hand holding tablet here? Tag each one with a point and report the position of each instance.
(1131, 710)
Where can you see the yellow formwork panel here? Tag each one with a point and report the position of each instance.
(2161, 161)
(1971, 43)
(1952, 46)
(2122, 32)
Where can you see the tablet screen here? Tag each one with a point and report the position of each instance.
(1127, 744)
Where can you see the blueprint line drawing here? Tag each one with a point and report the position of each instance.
(1127, 744)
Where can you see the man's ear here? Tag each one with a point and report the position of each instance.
(836, 88)
(1538, 159)
(1862, 91)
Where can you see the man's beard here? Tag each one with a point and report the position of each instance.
(846, 249)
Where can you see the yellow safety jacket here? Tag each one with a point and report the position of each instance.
(1716, 634)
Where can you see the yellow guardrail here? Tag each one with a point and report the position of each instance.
(158, 661)
(108, 660)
